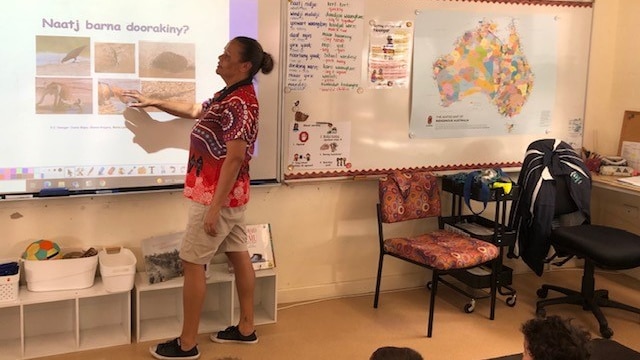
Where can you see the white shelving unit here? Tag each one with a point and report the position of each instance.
(57, 322)
(158, 307)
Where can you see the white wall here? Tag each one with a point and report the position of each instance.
(325, 233)
(614, 74)
(613, 88)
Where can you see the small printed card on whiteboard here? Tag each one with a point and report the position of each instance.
(320, 146)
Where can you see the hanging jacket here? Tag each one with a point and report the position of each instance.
(533, 212)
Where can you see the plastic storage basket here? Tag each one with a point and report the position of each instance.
(9, 285)
(60, 274)
(117, 269)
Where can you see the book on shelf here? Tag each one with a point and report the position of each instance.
(260, 246)
(161, 257)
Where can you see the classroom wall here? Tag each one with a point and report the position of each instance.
(613, 78)
(613, 73)
(325, 233)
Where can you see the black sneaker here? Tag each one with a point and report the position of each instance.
(232, 335)
(171, 350)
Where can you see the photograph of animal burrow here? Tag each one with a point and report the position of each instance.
(166, 60)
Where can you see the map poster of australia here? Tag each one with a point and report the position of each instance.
(478, 74)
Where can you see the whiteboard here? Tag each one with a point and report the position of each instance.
(265, 165)
(68, 126)
(374, 123)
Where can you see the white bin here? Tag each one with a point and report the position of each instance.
(9, 284)
(117, 268)
(60, 274)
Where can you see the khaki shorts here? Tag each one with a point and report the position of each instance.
(198, 247)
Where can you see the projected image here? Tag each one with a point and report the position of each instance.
(67, 63)
(155, 136)
(63, 96)
(169, 90)
(167, 60)
(110, 98)
(115, 58)
(152, 135)
(63, 55)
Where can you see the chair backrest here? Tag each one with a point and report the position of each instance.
(408, 195)
(564, 202)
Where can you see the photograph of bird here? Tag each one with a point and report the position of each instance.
(73, 54)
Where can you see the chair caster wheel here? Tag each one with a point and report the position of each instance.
(511, 301)
(606, 332)
(541, 312)
(430, 285)
(542, 293)
(468, 308)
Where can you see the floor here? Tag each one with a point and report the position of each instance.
(349, 328)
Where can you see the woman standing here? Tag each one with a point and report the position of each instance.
(217, 182)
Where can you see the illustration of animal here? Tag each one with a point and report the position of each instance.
(62, 97)
(73, 54)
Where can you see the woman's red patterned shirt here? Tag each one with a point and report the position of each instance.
(231, 118)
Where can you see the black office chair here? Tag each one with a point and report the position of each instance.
(600, 246)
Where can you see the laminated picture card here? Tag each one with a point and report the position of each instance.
(161, 257)
(260, 247)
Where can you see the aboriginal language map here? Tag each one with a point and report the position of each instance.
(482, 63)
(482, 74)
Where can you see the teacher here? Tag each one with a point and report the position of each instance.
(217, 182)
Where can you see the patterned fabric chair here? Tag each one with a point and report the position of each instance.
(411, 196)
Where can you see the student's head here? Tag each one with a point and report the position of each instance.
(554, 338)
(395, 353)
